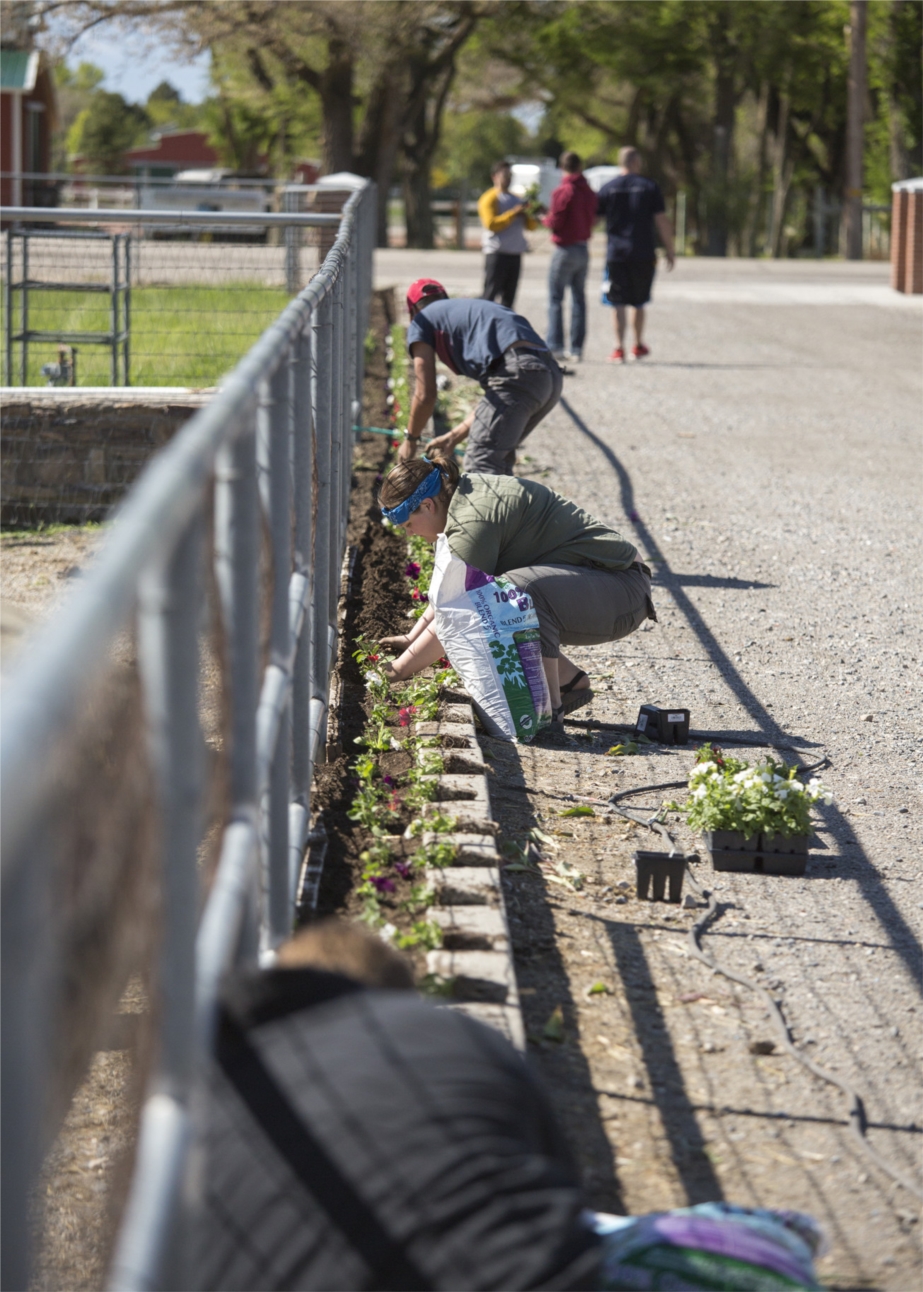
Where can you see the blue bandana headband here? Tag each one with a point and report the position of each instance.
(428, 488)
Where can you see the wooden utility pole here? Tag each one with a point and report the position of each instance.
(855, 122)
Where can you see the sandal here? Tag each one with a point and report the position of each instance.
(571, 699)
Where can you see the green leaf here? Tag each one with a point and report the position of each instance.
(554, 1028)
(582, 809)
(620, 751)
(598, 989)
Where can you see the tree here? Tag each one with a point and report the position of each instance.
(473, 139)
(740, 104)
(381, 72)
(104, 131)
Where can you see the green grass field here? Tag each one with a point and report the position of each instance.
(180, 336)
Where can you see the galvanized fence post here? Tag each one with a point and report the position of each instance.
(168, 636)
(8, 305)
(273, 726)
(24, 311)
(336, 457)
(322, 384)
(302, 484)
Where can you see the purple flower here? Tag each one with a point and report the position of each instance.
(382, 884)
(411, 569)
(404, 869)
(388, 780)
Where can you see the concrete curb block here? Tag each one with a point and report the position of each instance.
(468, 901)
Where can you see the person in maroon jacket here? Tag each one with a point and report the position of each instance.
(570, 219)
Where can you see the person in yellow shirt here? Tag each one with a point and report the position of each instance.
(505, 222)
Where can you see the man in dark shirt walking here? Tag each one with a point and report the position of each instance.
(633, 207)
(571, 218)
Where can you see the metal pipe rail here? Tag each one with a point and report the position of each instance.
(272, 450)
(130, 215)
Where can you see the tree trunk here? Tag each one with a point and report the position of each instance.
(336, 96)
(900, 158)
(782, 171)
(722, 144)
(855, 126)
(378, 142)
(755, 201)
(421, 135)
(722, 136)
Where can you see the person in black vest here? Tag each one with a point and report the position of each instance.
(359, 1137)
(633, 209)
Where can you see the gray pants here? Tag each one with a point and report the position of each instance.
(518, 392)
(581, 606)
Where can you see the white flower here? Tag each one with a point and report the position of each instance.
(395, 744)
(373, 679)
(699, 792)
(828, 798)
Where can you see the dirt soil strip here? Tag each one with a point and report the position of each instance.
(474, 964)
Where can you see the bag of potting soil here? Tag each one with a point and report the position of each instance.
(489, 630)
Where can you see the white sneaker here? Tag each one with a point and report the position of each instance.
(559, 355)
(575, 356)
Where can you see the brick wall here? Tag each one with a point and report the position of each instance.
(907, 239)
(69, 461)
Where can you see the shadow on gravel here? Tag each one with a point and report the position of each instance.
(859, 867)
(717, 581)
(544, 986)
(677, 1112)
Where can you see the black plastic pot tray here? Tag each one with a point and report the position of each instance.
(777, 856)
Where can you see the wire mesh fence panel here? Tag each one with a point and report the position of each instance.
(181, 306)
(160, 731)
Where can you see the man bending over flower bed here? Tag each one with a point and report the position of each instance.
(499, 349)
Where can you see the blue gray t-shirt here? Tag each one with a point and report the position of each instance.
(469, 336)
(629, 204)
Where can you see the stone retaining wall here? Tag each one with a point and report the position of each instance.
(67, 456)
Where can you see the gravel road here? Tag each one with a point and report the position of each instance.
(766, 457)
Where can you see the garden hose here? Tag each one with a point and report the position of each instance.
(858, 1123)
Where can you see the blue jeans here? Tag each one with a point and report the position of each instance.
(568, 269)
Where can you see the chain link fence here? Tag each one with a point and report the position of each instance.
(147, 298)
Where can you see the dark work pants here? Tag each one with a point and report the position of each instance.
(501, 277)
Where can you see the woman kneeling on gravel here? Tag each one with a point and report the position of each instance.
(585, 580)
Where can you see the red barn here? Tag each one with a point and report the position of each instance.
(172, 151)
(28, 116)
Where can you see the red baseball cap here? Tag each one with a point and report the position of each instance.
(424, 289)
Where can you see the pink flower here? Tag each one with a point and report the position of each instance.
(405, 715)
(417, 595)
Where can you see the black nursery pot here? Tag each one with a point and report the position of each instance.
(760, 854)
(656, 870)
